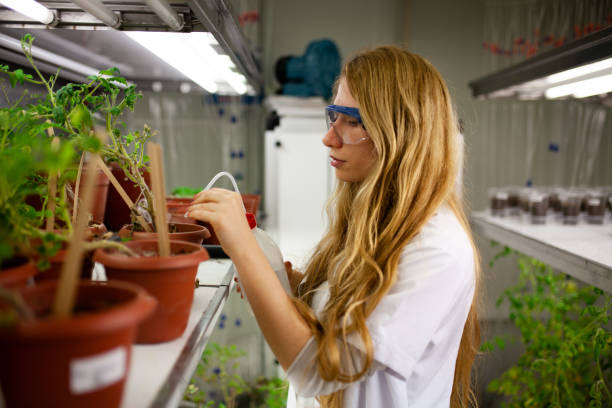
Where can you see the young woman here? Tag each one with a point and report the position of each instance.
(385, 313)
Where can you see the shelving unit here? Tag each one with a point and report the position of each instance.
(159, 373)
(214, 16)
(582, 251)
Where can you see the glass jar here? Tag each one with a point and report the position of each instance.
(499, 202)
(538, 205)
(570, 205)
(595, 208)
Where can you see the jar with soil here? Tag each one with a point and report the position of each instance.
(596, 209)
(499, 202)
(538, 205)
(570, 206)
(513, 201)
(524, 205)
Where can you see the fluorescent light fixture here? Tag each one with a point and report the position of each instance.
(579, 71)
(30, 9)
(582, 89)
(48, 56)
(193, 55)
(53, 58)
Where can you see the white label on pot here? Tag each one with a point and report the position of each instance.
(91, 373)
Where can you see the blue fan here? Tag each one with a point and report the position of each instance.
(312, 74)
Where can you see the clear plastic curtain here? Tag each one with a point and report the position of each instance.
(542, 142)
(202, 135)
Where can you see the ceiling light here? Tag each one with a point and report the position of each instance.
(48, 56)
(30, 9)
(54, 59)
(582, 89)
(193, 55)
(579, 71)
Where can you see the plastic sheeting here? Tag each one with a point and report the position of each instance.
(203, 135)
(519, 29)
(541, 142)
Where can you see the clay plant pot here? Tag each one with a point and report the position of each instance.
(16, 272)
(81, 361)
(251, 203)
(57, 261)
(98, 207)
(177, 208)
(213, 240)
(99, 204)
(117, 213)
(184, 232)
(171, 280)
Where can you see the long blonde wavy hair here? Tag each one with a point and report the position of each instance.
(407, 111)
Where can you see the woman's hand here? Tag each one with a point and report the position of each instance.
(224, 210)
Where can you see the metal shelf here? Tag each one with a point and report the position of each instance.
(160, 373)
(214, 16)
(590, 48)
(582, 251)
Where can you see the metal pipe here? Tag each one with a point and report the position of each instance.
(167, 14)
(99, 11)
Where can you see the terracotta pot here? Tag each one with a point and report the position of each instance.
(100, 196)
(15, 275)
(177, 205)
(251, 202)
(185, 232)
(98, 207)
(177, 208)
(81, 361)
(56, 263)
(213, 240)
(171, 280)
(117, 213)
(57, 260)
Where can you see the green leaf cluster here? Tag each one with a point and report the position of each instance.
(27, 156)
(567, 360)
(218, 369)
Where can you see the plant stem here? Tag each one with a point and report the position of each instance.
(15, 300)
(90, 246)
(28, 55)
(603, 381)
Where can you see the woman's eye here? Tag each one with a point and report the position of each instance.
(353, 123)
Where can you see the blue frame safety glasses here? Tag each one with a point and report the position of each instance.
(347, 123)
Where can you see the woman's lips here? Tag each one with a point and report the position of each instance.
(336, 162)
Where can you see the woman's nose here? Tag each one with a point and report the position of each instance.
(331, 139)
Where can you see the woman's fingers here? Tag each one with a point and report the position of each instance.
(214, 194)
(224, 211)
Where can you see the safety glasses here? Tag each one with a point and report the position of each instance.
(347, 124)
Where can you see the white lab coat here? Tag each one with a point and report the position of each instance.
(416, 328)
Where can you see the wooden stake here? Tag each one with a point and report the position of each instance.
(52, 186)
(77, 185)
(128, 201)
(159, 198)
(69, 277)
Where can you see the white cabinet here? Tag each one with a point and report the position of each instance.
(298, 176)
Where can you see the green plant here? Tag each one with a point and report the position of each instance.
(72, 110)
(29, 154)
(218, 372)
(185, 192)
(270, 392)
(567, 360)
